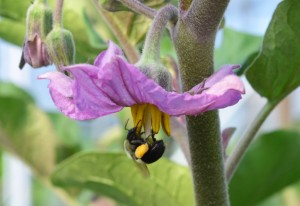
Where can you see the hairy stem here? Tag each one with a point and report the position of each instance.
(57, 20)
(139, 7)
(204, 16)
(194, 38)
(242, 146)
(152, 43)
(129, 49)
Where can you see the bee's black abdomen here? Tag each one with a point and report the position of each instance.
(154, 152)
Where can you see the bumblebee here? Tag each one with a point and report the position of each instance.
(143, 151)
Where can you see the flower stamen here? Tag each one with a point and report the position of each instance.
(151, 118)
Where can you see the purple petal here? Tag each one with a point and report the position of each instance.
(225, 70)
(81, 98)
(126, 85)
(107, 55)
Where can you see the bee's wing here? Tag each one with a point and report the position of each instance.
(140, 164)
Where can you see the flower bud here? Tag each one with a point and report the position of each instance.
(61, 47)
(38, 25)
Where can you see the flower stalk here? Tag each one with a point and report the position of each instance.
(151, 51)
(140, 8)
(57, 20)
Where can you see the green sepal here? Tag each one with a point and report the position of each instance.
(61, 47)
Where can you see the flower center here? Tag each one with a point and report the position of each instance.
(149, 116)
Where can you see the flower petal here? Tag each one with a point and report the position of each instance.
(107, 55)
(126, 85)
(80, 98)
(225, 70)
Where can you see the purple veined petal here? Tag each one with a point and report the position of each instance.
(134, 87)
(225, 70)
(79, 98)
(60, 87)
(107, 55)
(228, 92)
(120, 84)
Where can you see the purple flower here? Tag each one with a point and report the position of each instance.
(112, 83)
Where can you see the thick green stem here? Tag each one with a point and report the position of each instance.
(194, 38)
(239, 151)
(58, 13)
(196, 61)
(151, 49)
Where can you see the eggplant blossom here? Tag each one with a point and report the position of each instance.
(92, 91)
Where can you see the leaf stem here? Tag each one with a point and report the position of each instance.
(129, 49)
(242, 146)
(140, 8)
(57, 20)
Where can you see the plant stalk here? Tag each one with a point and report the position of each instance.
(57, 20)
(151, 49)
(140, 8)
(194, 38)
(242, 146)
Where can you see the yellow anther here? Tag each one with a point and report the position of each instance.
(134, 112)
(137, 112)
(155, 118)
(141, 150)
(165, 119)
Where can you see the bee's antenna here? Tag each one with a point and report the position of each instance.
(126, 125)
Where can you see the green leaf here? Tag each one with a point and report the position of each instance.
(68, 133)
(116, 176)
(236, 47)
(12, 31)
(27, 132)
(275, 73)
(271, 164)
(246, 64)
(11, 90)
(14, 10)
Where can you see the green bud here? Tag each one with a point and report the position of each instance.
(38, 25)
(61, 47)
(39, 21)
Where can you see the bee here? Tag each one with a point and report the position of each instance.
(143, 151)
